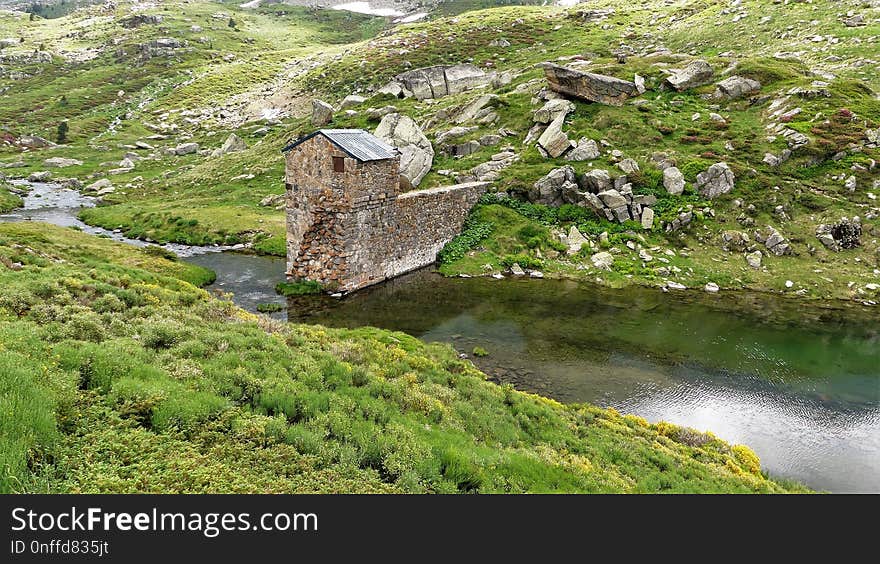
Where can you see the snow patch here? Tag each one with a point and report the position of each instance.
(365, 8)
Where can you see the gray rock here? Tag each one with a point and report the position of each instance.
(554, 140)
(351, 101)
(628, 166)
(734, 87)
(715, 181)
(322, 113)
(773, 240)
(589, 86)
(41, 176)
(437, 81)
(454, 133)
(61, 162)
(696, 73)
(575, 240)
(185, 149)
(712, 288)
(586, 150)
(102, 184)
(233, 144)
(673, 181)
(517, 270)
(647, 218)
(754, 259)
(417, 154)
(477, 109)
(639, 81)
(34, 142)
(612, 199)
(548, 189)
(376, 114)
(597, 180)
(603, 260)
(552, 109)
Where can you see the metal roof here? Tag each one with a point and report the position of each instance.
(357, 143)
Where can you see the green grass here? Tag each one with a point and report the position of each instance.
(8, 200)
(118, 375)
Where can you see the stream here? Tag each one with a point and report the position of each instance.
(797, 382)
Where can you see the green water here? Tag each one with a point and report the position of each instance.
(798, 383)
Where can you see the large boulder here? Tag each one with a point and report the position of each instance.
(597, 180)
(233, 144)
(437, 81)
(554, 141)
(715, 181)
(673, 181)
(549, 189)
(589, 86)
(185, 149)
(322, 113)
(34, 142)
(416, 152)
(734, 87)
(696, 73)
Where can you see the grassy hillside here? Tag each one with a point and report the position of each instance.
(120, 375)
(257, 76)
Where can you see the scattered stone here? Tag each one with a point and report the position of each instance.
(773, 240)
(586, 150)
(233, 144)
(850, 183)
(517, 270)
(647, 218)
(35, 142)
(715, 181)
(42, 176)
(789, 284)
(673, 181)
(696, 73)
(61, 162)
(672, 285)
(185, 149)
(375, 114)
(603, 260)
(628, 166)
(322, 113)
(575, 240)
(754, 259)
(589, 86)
(143, 145)
(712, 288)
(597, 180)
(552, 109)
(98, 186)
(536, 274)
(735, 240)
(351, 101)
(138, 20)
(417, 154)
(735, 87)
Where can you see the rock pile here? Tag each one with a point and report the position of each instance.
(845, 234)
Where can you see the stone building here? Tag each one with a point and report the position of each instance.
(348, 223)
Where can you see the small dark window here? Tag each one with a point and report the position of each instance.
(338, 164)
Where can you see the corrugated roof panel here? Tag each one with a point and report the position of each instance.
(358, 143)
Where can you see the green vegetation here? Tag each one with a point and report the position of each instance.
(298, 288)
(119, 375)
(8, 200)
(270, 307)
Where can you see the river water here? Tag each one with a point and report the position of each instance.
(799, 383)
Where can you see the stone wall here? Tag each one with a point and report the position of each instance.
(351, 229)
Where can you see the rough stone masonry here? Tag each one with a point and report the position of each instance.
(348, 223)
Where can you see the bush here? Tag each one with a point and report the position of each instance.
(524, 261)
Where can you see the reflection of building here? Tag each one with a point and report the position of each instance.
(348, 224)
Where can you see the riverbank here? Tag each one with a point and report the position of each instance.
(195, 395)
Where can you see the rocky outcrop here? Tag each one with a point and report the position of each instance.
(416, 152)
(589, 86)
(673, 181)
(715, 181)
(478, 110)
(735, 87)
(436, 82)
(549, 189)
(845, 234)
(233, 144)
(351, 101)
(322, 113)
(696, 73)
